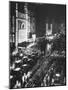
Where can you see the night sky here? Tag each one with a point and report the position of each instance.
(42, 13)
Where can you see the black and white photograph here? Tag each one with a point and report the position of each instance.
(37, 44)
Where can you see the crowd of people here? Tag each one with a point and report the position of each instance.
(30, 67)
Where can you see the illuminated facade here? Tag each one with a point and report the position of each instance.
(24, 25)
(48, 36)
